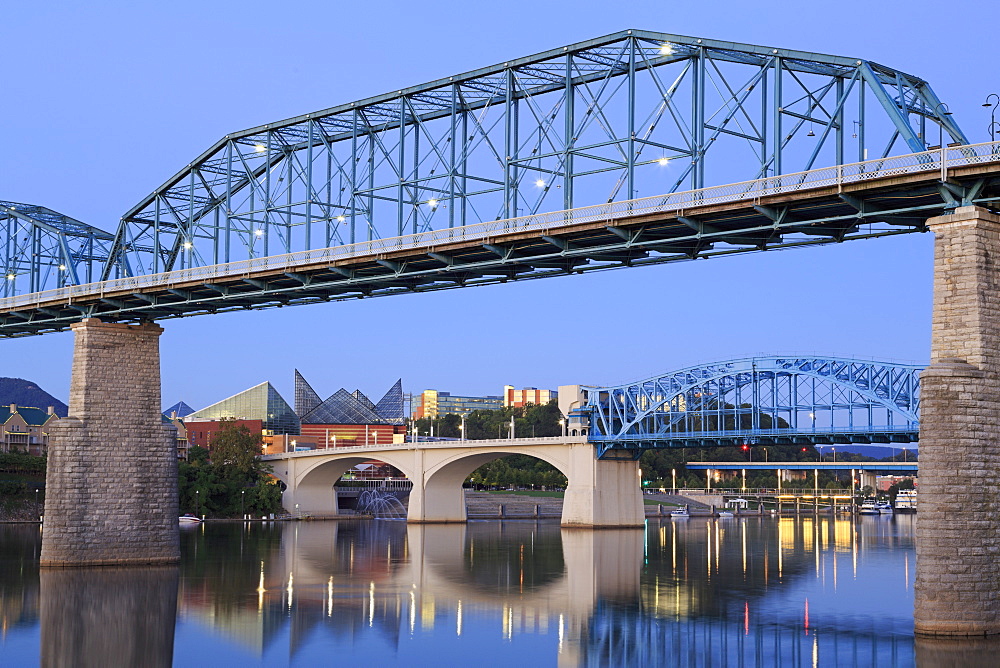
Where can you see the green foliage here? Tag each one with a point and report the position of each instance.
(22, 464)
(530, 420)
(229, 479)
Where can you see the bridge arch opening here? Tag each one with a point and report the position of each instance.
(442, 497)
(314, 489)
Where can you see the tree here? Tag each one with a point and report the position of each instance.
(229, 478)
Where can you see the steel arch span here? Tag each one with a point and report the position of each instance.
(41, 248)
(595, 122)
(758, 400)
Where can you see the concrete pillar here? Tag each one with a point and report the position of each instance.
(602, 493)
(957, 589)
(111, 486)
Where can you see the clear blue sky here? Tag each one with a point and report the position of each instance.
(105, 100)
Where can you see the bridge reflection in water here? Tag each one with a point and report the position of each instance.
(752, 591)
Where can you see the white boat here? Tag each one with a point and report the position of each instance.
(681, 514)
(868, 508)
(190, 519)
(883, 508)
(726, 513)
(906, 501)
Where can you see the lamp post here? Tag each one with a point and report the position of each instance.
(562, 426)
(36, 500)
(673, 481)
(197, 501)
(994, 126)
(463, 427)
(243, 513)
(944, 150)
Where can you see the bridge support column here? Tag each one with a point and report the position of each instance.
(111, 496)
(958, 529)
(602, 493)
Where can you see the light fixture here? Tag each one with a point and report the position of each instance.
(432, 203)
(260, 148)
(259, 232)
(540, 183)
(666, 49)
(62, 267)
(11, 277)
(810, 133)
(664, 161)
(340, 219)
(187, 245)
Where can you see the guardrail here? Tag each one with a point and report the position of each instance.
(840, 175)
(422, 445)
(751, 434)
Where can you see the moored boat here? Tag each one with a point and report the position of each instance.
(868, 508)
(680, 514)
(883, 507)
(906, 501)
(188, 518)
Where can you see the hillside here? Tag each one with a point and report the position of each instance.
(25, 393)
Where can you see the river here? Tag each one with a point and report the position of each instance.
(752, 591)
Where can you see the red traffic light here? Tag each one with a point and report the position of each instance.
(746, 447)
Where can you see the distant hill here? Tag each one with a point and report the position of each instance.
(25, 393)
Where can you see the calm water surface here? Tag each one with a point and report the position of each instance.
(807, 591)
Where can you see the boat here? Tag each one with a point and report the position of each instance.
(726, 513)
(883, 508)
(681, 514)
(906, 501)
(188, 518)
(868, 508)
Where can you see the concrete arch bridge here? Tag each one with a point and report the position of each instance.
(600, 493)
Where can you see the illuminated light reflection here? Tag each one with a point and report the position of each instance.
(413, 612)
(290, 590)
(371, 604)
(329, 597)
(261, 590)
(807, 617)
(458, 619)
(746, 618)
(815, 651)
(561, 633)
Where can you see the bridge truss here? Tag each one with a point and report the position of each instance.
(44, 248)
(758, 400)
(605, 120)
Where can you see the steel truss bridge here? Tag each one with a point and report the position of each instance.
(592, 156)
(757, 401)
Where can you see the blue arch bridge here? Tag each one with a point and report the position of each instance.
(773, 400)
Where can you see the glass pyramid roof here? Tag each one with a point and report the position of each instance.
(306, 398)
(342, 408)
(390, 407)
(261, 402)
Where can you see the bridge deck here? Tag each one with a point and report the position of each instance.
(874, 198)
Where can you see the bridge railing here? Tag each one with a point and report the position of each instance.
(750, 434)
(938, 159)
(409, 445)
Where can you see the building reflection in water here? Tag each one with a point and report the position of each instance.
(108, 616)
(757, 590)
(790, 591)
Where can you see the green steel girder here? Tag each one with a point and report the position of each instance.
(597, 121)
(895, 205)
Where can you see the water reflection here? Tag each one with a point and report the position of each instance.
(814, 590)
(108, 616)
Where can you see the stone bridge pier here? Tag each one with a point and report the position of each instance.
(111, 485)
(958, 527)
